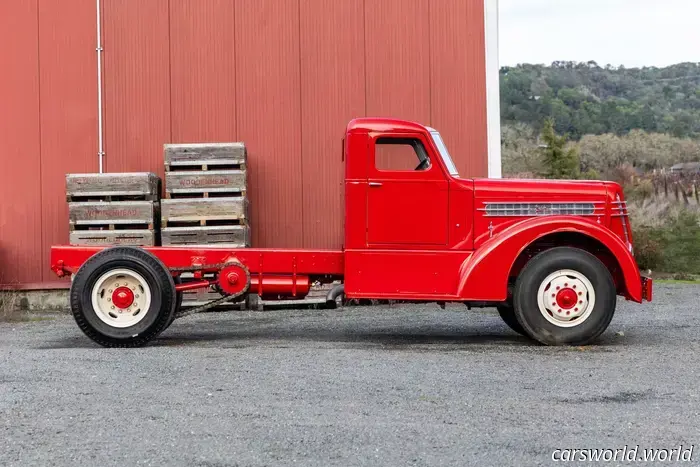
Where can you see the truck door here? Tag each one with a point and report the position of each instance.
(407, 194)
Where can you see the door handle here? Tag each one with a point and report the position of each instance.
(375, 184)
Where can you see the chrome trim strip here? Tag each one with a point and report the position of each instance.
(622, 215)
(532, 209)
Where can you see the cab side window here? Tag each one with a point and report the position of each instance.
(400, 154)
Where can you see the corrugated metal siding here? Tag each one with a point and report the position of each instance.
(20, 190)
(332, 93)
(284, 76)
(203, 70)
(68, 95)
(137, 84)
(397, 54)
(269, 117)
(458, 82)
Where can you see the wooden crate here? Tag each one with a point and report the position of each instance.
(204, 184)
(204, 211)
(234, 236)
(113, 215)
(143, 186)
(113, 237)
(203, 155)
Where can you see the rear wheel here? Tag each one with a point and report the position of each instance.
(123, 297)
(564, 296)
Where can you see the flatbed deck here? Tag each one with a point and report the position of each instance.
(68, 259)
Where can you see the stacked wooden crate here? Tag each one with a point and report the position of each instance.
(113, 208)
(206, 202)
(205, 187)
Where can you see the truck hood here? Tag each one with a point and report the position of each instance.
(500, 203)
(517, 190)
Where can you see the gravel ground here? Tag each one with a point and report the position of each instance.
(387, 386)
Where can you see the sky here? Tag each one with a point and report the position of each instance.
(633, 33)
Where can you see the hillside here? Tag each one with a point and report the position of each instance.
(585, 98)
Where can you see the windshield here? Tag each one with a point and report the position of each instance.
(444, 153)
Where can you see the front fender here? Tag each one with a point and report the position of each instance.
(484, 275)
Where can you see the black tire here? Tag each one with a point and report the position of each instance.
(508, 316)
(536, 271)
(156, 318)
(178, 302)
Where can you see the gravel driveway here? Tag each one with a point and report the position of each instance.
(386, 386)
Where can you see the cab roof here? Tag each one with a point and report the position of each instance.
(366, 124)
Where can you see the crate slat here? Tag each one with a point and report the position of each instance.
(113, 237)
(142, 185)
(193, 154)
(115, 212)
(204, 209)
(234, 236)
(213, 181)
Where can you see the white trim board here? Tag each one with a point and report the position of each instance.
(493, 95)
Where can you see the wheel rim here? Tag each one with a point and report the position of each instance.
(121, 298)
(566, 298)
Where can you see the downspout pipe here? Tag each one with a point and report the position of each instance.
(100, 133)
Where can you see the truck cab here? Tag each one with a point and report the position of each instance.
(415, 229)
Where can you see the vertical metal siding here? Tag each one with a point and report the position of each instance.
(398, 59)
(137, 84)
(20, 190)
(458, 82)
(332, 93)
(68, 95)
(203, 71)
(284, 76)
(268, 116)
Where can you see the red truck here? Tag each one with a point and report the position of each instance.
(551, 256)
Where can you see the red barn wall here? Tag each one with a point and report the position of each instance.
(284, 76)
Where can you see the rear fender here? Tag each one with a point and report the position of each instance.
(484, 276)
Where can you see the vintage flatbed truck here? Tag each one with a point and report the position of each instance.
(551, 256)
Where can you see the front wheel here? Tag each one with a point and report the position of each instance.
(564, 296)
(123, 297)
(507, 314)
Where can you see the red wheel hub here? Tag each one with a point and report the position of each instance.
(567, 298)
(122, 297)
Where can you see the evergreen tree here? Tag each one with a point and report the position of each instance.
(558, 160)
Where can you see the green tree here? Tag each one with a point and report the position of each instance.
(558, 160)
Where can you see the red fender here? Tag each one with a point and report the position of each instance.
(484, 276)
